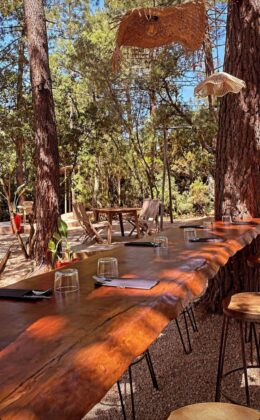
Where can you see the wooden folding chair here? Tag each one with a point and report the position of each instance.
(4, 260)
(92, 230)
(148, 217)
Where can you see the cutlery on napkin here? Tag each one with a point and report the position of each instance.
(126, 283)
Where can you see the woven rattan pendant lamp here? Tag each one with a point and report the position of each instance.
(158, 26)
(219, 84)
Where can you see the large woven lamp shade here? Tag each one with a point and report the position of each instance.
(158, 26)
(219, 84)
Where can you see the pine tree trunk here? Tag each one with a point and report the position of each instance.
(19, 140)
(47, 177)
(238, 142)
(209, 61)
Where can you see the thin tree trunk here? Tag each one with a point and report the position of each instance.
(47, 177)
(164, 166)
(209, 62)
(19, 139)
(170, 187)
(238, 142)
(96, 184)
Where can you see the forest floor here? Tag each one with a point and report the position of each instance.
(182, 379)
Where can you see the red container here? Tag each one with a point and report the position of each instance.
(18, 222)
(61, 264)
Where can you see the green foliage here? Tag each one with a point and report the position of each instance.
(108, 130)
(59, 245)
(17, 194)
(200, 197)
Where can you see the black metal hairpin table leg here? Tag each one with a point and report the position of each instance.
(121, 400)
(148, 359)
(189, 349)
(151, 369)
(190, 313)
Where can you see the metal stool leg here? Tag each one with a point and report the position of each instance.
(151, 369)
(248, 332)
(131, 392)
(256, 343)
(244, 362)
(223, 343)
(121, 400)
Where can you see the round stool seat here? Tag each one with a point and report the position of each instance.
(243, 306)
(254, 261)
(214, 411)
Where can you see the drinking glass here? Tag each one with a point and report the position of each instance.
(161, 241)
(107, 267)
(207, 225)
(226, 219)
(66, 281)
(189, 233)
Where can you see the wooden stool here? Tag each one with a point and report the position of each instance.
(254, 281)
(214, 411)
(244, 307)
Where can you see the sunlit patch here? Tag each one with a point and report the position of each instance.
(47, 327)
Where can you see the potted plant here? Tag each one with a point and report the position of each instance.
(17, 215)
(59, 246)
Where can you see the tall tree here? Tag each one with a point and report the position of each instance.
(19, 139)
(238, 142)
(47, 175)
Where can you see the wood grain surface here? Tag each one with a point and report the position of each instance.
(59, 357)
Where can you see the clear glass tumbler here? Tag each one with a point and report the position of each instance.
(161, 241)
(66, 281)
(107, 267)
(189, 233)
(226, 220)
(207, 225)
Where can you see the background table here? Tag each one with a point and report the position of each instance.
(59, 357)
(111, 212)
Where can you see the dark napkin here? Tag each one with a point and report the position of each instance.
(244, 223)
(147, 244)
(207, 240)
(25, 294)
(192, 226)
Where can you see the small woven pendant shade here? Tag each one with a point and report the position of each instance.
(219, 84)
(159, 26)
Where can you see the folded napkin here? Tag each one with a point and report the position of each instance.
(207, 240)
(192, 226)
(126, 283)
(25, 294)
(244, 223)
(148, 244)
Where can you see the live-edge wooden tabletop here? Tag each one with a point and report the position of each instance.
(59, 357)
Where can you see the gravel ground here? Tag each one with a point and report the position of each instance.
(182, 379)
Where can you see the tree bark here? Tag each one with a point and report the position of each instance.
(209, 62)
(47, 177)
(235, 277)
(19, 140)
(238, 142)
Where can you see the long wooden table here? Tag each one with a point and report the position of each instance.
(59, 357)
(110, 212)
